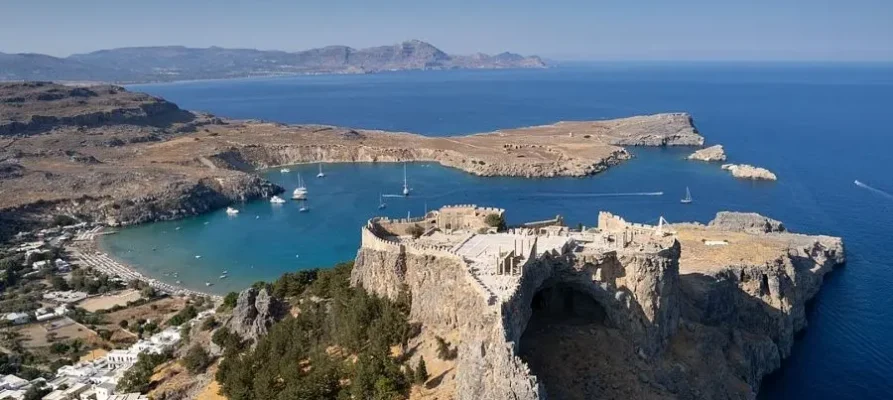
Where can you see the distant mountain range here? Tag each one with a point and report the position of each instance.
(173, 63)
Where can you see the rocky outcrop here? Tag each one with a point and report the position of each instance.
(745, 222)
(670, 129)
(36, 107)
(684, 326)
(709, 154)
(254, 313)
(745, 171)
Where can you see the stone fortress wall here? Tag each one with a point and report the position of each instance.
(499, 317)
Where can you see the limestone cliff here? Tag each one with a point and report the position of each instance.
(707, 315)
(254, 313)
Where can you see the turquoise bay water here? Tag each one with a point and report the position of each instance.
(819, 127)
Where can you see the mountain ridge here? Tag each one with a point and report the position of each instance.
(175, 63)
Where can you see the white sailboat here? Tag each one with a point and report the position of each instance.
(304, 207)
(687, 198)
(405, 182)
(381, 203)
(320, 174)
(300, 193)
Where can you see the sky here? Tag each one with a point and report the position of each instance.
(635, 30)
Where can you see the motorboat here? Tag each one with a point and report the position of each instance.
(231, 211)
(276, 200)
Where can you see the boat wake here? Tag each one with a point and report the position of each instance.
(578, 195)
(875, 190)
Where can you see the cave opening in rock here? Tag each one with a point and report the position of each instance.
(565, 338)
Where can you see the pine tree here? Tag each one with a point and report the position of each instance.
(421, 372)
(410, 374)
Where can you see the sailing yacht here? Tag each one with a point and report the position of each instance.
(687, 198)
(300, 192)
(304, 207)
(405, 183)
(320, 174)
(381, 203)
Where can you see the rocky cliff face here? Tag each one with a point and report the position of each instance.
(255, 313)
(672, 328)
(37, 107)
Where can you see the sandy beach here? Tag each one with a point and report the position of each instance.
(86, 253)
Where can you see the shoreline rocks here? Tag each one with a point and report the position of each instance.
(746, 171)
(709, 154)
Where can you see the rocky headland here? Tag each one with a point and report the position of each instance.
(746, 171)
(709, 154)
(625, 310)
(177, 63)
(116, 157)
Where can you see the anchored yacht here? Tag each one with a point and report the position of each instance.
(320, 174)
(300, 193)
(231, 211)
(687, 198)
(276, 200)
(405, 182)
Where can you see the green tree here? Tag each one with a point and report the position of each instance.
(495, 221)
(123, 323)
(138, 377)
(196, 359)
(421, 372)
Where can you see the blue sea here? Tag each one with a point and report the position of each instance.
(818, 127)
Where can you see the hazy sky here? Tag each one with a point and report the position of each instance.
(597, 30)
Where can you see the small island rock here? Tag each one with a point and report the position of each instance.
(712, 153)
(745, 171)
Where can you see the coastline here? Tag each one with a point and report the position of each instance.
(89, 253)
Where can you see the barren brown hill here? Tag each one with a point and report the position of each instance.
(109, 155)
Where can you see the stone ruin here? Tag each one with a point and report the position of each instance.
(465, 276)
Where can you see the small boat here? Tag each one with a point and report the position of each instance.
(320, 174)
(178, 282)
(276, 200)
(225, 272)
(209, 284)
(222, 276)
(285, 170)
(381, 203)
(231, 211)
(198, 256)
(177, 228)
(405, 183)
(687, 198)
(304, 207)
(300, 193)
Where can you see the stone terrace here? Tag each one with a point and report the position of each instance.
(496, 261)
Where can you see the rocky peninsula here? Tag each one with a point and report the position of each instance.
(117, 157)
(622, 310)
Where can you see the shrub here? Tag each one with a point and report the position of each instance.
(196, 359)
(64, 220)
(444, 352)
(495, 221)
(421, 372)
